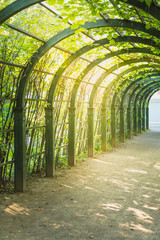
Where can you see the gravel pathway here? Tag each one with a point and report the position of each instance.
(112, 196)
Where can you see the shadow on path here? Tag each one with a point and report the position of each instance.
(112, 196)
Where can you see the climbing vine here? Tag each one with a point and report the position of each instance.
(24, 33)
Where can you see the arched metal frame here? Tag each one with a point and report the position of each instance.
(113, 126)
(90, 112)
(123, 95)
(90, 109)
(16, 7)
(103, 114)
(135, 112)
(146, 80)
(138, 102)
(20, 169)
(20, 114)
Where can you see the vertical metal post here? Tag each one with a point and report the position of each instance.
(20, 149)
(143, 119)
(135, 121)
(129, 123)
(72, 137)
(139, 119)
(122, 137)
(113, 127)
(90, 132)
(147, 118)
(103, 129)
(49, 147)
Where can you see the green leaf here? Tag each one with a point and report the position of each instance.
(148, 2)
(147, 26)
(74, 26)
(109, 37)
(112, 42)
(80, 30)
(51, 2)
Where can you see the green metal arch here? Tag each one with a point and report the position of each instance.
(122, 74)
(103, 76)
(86, 49)
(132, 83)
(146, 80)
(68, 32)
(112, 112)
(72, 123)
(131, 96)
(143, 79)
(99, 60)
(113, 132)
(129, 114)
(149, 97)
(19, 112)
(90, 114)
(141, 111)
(16, 7)
(137, 99)
(90, 109)
(142, 93)
(127, 89)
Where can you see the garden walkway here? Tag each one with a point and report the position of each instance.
(112, 196)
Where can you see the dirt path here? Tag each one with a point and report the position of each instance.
(110, 197)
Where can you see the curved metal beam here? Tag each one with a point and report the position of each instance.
(98, 61)
(68, 32)
(131, 96)
(142, 89)
(128, 109)
(105, 74)
(86, 49)
(121, 75)
(71, 146)
(144, 111)
(129, 114)
(149, 97)
(137, 98)
(128, 87)
(16, 7)
(113, 126)
(103, 110)
(145, 80)
(112, 111)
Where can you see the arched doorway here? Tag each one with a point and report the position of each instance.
(154, 112)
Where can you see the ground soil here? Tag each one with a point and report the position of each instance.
(112, 196)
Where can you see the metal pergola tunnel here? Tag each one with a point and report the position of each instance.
(70, 88)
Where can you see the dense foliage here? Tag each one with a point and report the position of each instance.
(25, 32)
